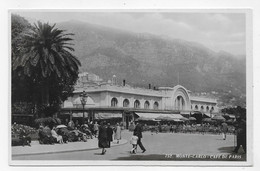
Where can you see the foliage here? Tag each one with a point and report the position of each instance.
(17, 128)
(19, 25)
(141, 59)
(238, 111)
(48, 121)
(44, 67)
(21, 86)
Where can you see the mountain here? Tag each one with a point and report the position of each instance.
(141, 59)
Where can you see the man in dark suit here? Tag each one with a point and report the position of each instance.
(138, 132)
(240, 126)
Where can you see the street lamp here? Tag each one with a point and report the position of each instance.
(83, 99)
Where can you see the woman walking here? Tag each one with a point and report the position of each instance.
(117, 133)
(102, 138)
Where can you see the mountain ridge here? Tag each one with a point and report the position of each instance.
(141, 59)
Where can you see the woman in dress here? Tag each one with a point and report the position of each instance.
(118, 133)
(57, 137)
(102, 138)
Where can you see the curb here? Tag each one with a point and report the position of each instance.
(65, 151)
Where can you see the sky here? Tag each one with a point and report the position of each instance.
(218, 31)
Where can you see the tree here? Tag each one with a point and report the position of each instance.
(46, 60)
(20, 85)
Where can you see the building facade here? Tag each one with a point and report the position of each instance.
(111, 99)
(165, 98)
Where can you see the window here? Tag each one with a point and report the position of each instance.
(137, 104)
(196, 107)
(114, 102)
(126, 103)
(146, 105)
(156, 105)
(201, 108)
(207, 108)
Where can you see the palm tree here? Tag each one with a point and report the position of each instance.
(46, 55)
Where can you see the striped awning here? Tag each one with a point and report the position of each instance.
(160, 116)
(107, 115)
(79, 115)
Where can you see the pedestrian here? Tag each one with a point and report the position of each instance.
(91, 127)
(109, 134)
(71, 125)
(240, 126)
(96, 129)
(102, 138)
(224, 130)
(133, 141)
(171, 128)
(118, 133)
(138, 132)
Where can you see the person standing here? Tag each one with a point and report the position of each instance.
(240, 126)
(71, 125)
(109, 134)
(171, 128)
(102, 138)
(138, 132)
(224, 130)
(118, 133)
(91, 127)
(96, 129)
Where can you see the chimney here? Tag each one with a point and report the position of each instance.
(123, 82)
(149, 86)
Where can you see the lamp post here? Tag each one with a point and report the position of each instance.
(83, 99)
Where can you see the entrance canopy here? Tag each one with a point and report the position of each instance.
(159, 116)
(107, 115)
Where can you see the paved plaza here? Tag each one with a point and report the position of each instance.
(161, 146)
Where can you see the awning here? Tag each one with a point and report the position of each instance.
(107, 115)
(159, 116)
(178, 120)
(79, 115)
(207, 114)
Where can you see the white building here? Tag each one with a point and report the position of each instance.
(165, 98)
(110, 100)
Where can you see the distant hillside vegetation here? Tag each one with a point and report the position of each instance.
(143, 58)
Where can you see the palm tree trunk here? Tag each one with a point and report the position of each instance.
(45, 93)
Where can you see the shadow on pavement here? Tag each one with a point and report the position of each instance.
(98, 154)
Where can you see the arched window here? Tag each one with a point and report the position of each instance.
(179, 103)
(196, 107)
(212, 109)
(207, 108)
(146, 105)
(137, 104)
(114, 102)
(126, 103)
(156, 105)
(201, 108)
(191, 107)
